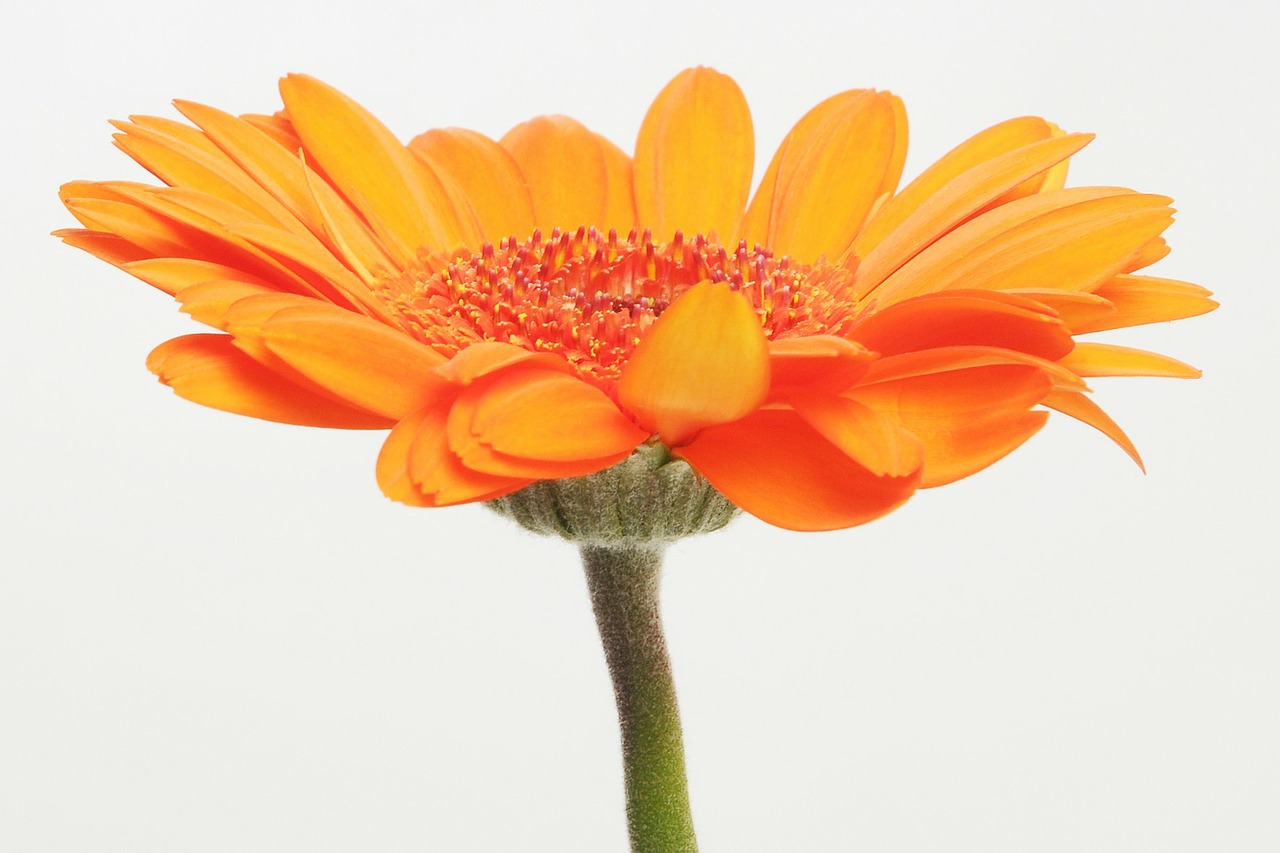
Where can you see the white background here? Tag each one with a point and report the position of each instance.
(217, 635)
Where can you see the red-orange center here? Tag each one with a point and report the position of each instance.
(589, 297)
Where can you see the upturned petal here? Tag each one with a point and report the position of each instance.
(704, 362)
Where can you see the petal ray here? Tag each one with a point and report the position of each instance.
(486, 174)
(209, 370)
(1093, 359)
(830, 170)
(695, 155)
(361, 360)
(403, 200)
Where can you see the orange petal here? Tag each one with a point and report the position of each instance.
(236, 307)
(831, 169)
(959, 199)
(219, 232)
(874, 441)
(565, 167)
(208, 302)
(965, 419)
(694, 156)
(816, 363)
(403, 200)
(704, 361)
(780, 469)
(539, 423)
(278, 127)
(371, 365)
(1089, 359)
(1083, 409)
(107, 190)
(439, 476)
(1055, 178)
(485, 173)
(991, 143)
(1073, 308)
(484, 359)
(946, 359)
(209, 370)
(1066, 240)
(416, 467)
(200, 167)
(153, 219)
(1138, 300)
(152, 233)
(283, 174)
(173, 129)
(174, 274)
(959, 318)
(620, 197)
(392, 469)
(1072, 248)
(244, 318)
(111, 248)
(1147, 255)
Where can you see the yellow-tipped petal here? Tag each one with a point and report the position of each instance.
(704, 362)
(694, 156)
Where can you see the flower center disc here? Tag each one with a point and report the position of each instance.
(589, 297)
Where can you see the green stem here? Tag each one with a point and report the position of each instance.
(623, 583)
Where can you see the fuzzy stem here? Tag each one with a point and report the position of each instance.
(623, 583)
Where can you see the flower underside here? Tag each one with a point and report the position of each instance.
(590, 297)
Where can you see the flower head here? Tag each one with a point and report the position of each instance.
(537, 307)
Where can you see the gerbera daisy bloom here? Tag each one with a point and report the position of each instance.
(545, 322)
(536, 307)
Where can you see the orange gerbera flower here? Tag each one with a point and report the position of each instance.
(535, 308)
